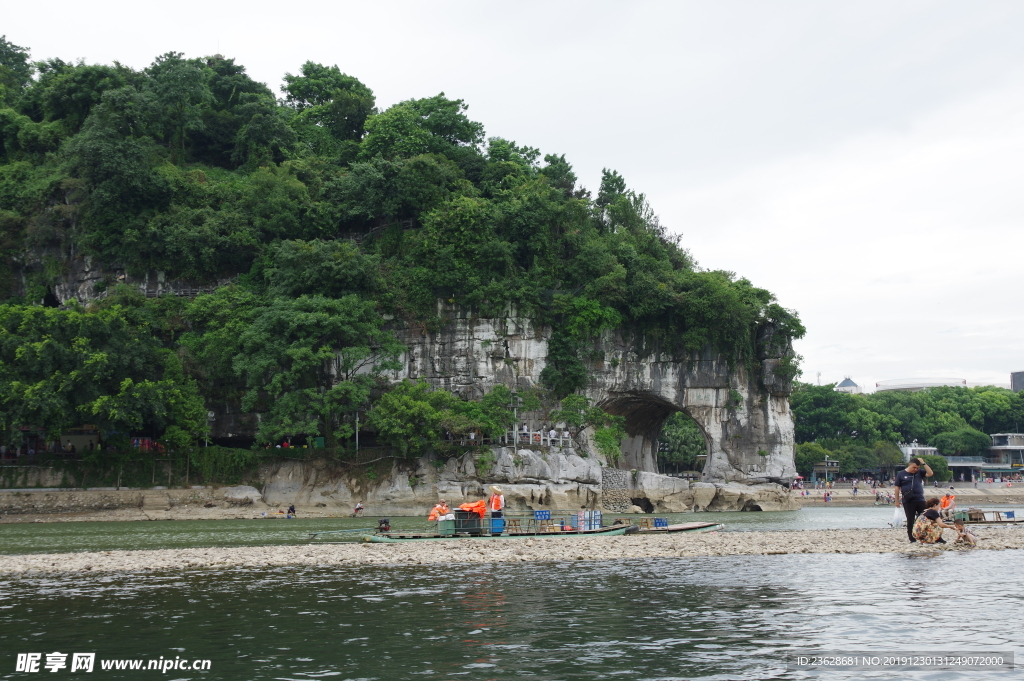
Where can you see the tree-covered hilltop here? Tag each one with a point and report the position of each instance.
(329, 214)
(860, 431)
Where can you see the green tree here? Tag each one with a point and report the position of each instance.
(328, 100)
(242, 123)
(870, 426)
(680, 443)
(810, 453)
(434, 125)
(413, 417)
(68, 92)
(888, 456)
(819, 412)
(332, 268)
(310, 362)
(962, 442)
(62, 368)
(939, 467)
(15, 70)
(578, 414)
(182, 89)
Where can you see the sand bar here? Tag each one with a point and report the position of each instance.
(502, 551)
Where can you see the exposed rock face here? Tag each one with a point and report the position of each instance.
(530, 480)
(241, 495)
(88, 279)
(743, 411)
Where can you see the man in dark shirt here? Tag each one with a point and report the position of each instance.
(910, 491)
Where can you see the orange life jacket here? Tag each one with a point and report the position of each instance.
(437, 511)
(477, 507)
(496, 502)
(947, 500)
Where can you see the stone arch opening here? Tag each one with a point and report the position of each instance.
(684, 449)
(646, 415)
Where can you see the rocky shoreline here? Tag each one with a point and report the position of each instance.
(517, 550)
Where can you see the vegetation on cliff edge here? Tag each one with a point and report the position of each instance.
(327, 214)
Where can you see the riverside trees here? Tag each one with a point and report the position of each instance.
(859, 430)
(329, 212)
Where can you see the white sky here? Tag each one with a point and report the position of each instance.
(861, 160)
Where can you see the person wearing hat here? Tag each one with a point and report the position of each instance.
(497, 502)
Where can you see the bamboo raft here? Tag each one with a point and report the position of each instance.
(397, 538)
(682, 527)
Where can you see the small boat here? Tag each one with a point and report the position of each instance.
(397, 538)
(977, 516)
(682, 527)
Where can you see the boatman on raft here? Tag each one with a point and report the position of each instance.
(440, 511)
(497, 502)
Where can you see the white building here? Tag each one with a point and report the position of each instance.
(913, 449)
(914, 385)
(848, 386)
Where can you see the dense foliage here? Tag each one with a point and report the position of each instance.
(859, 430)
(329, 214)
(680, 443)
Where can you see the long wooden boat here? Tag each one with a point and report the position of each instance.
(682, 527)
(400, 537)
(977, 516)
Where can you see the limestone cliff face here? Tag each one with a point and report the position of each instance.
(529, 479)
(743, 413)
(743, 409)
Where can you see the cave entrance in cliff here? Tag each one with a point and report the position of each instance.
(661, 437)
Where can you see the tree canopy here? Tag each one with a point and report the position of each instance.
(860, 430)
(329, 216)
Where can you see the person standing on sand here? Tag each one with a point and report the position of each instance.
(910, 491)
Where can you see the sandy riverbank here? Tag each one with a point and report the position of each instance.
(174, 513)
(505, 551)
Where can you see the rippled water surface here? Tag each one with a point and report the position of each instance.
(107, 536)
(706, 618)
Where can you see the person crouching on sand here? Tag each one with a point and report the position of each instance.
(929, 525)
(965, 536)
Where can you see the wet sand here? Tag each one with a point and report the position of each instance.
(560, 549)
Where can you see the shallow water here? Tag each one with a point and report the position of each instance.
(18, 538)
(665, 619)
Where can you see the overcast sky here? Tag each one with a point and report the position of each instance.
(863, 161)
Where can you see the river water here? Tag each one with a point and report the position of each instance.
(108, 536)
(665, 619)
